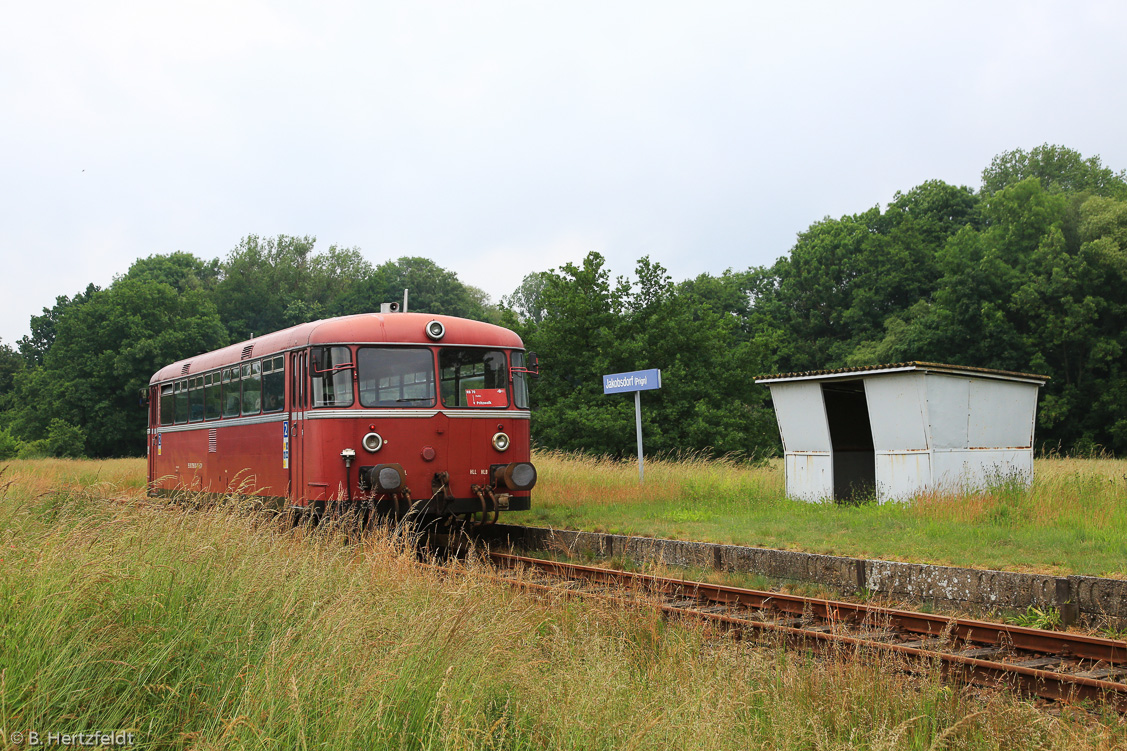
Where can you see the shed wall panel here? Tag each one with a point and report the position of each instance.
(897, 411)
(802, 416)
(1001, 414)
(809, 476)
(970, 470)
(902, 475)
(948, 410)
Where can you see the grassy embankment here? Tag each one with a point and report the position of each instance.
(1072, 520)
(220, 629)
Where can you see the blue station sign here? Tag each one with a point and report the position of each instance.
(639, 380)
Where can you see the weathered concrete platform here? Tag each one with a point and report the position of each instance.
(1073, 596)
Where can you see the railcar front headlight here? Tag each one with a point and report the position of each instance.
(435, 330)
(372, 442)
(501, 441)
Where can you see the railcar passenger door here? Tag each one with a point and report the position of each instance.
(298, 399)
(150, 438)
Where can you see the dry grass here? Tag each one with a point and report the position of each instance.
(221, 629)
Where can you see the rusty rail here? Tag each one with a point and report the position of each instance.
(955, 635)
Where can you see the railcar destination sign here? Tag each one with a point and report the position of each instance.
(638, 380)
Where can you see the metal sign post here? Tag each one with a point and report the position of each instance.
(636, 381)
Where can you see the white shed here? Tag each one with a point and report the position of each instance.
(897, 430)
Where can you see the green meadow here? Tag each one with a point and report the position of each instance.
(1071, 520)
(223, 628)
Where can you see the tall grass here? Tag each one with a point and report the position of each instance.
(219, 628)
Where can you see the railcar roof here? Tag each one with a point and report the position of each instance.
(901, 367)
(365, 328)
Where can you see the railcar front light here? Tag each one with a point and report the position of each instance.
(435, 330)
(372, 442)
(501, 441)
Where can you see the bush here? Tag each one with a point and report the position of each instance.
(9, 445)
(65, 440)
(33, 449)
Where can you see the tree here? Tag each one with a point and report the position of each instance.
(1028, 292)
(432, 289)
(34, 347)
(592, 326)
(181, 271)
(104, 353)
(845, 277)
(1060, 170)
(526, 301)
(267, 284)
(11, 363)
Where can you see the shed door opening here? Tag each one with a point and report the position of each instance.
(851, 435)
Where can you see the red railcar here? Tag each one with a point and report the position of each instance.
(389, 411)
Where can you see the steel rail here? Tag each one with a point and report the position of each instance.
(1044, 683)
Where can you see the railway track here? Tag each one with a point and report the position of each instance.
(1052, 665)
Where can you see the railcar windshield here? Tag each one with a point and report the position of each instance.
(395, 376)
(471, 377)
(332, 377)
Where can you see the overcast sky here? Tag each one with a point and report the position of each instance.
(503, 138)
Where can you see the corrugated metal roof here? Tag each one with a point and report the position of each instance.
(930, 367)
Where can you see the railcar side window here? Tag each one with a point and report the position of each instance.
(252, 387)
(181, 401)
(167, 405)
(195, 399)
(273, 384)
(332, 377)
(520, 382)
(232, 401)
(473, 377)
(211, 396)
(395, 376)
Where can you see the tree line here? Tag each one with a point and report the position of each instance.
(1025, 273)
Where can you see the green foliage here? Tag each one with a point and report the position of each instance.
(103, 354)
(268, 284)
(1048, 619)
(11, 363)
(34, 346)
(9, 445)
(1027, 275)
(179, 270)
(845, 277)
(64, 439)
(591, 326)
(526, 301)
(1060, 170)
(432, 289)
(34, 449)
